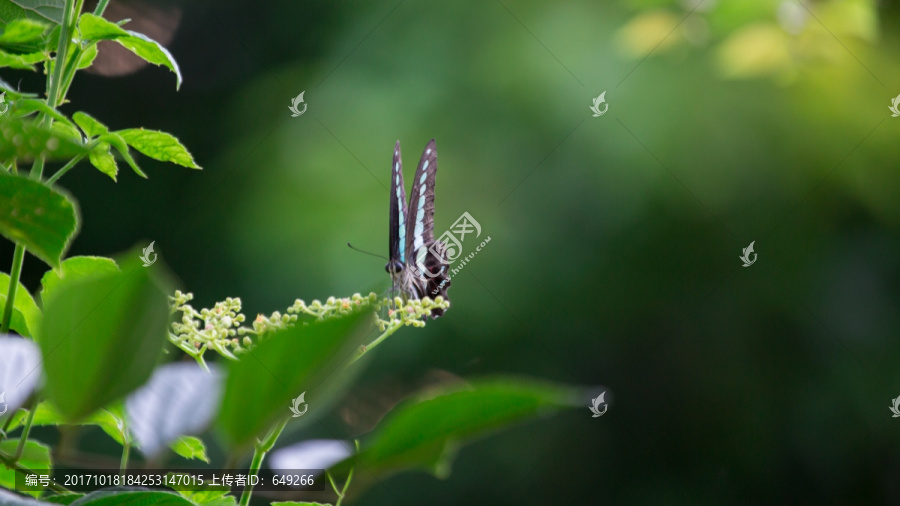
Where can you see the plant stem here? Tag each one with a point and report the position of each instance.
(15, 272)
(101, 6)
(61, 172)
(126, 448)
(343, 492)
(25, 431)
(259, 453)
(59, 489)
(65, 37)
(378, 340)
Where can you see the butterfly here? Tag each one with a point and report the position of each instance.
(417, 263)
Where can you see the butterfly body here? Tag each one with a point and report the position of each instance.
(417, 263)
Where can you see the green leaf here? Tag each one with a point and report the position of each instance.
(304, 358)
(50, 11)
(423, 433)
(210, 495)
(190, 447)
(101, 337)
(29, 316)
(68, 131)
(41, 218)
(26, 140)
(36, 456)
(103, 160)
(21, 61)
(159, 146)
(24, 36)
(132, 498)
(96, 28)
(27, 106)
(89, 125)
(74, 269)
(116, 140)
(87, 56)
(46, 414)
(22, 31)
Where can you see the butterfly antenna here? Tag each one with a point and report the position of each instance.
(366, 252)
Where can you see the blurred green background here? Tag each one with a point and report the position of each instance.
(613, 259)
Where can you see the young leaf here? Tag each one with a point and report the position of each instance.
(422, 433)
(74, 269)
(103, 160)
(116, 141)
(260, 386)
(41, 218)
(180, 398)
(89, 125)
(24, 36)
(26, 140)
(27, 106)
(70, 132)
(20, 363)
(50, 11)
(21, 61)
(132, 497)
(211, 495)
(36, 456)
(30, 315)
(87, 57)
(159, 146)
(96, 28)
(190, 448)
(101, 337)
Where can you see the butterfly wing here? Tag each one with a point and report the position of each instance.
(397, 236)
(422, 252)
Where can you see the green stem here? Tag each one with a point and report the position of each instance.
(333, 484)
(61, 172)
(378, 340)
(25, 431)
(15, 272)
(258, 454)
(343, 492)
(71, 68)
(126, 448)
(101, 6)
(56, 487)
(65, 37)
(5, 430)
